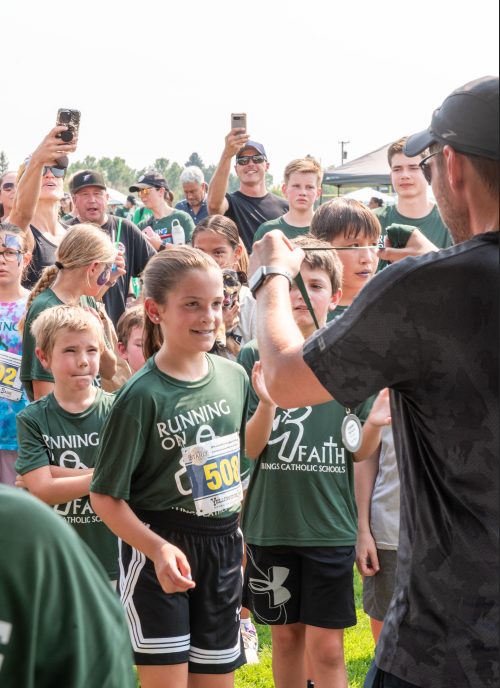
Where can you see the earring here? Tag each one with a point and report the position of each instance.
(157, 319)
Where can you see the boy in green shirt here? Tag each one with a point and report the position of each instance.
(59, 434)
(413, 206)
(300, 516)
(354, 231)
(302, 187)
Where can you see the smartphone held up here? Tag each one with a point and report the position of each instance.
(239, 121)
(70, 119)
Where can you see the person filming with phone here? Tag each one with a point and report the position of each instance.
(36, 204)
(253, 204)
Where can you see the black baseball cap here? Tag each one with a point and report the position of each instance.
(468, 121)
(132, 199)
(150, 179)
(253, 144)
(87, 178)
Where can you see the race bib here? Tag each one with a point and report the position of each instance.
(10, 376)
(213, 470)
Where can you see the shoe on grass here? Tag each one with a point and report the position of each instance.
(251, 643)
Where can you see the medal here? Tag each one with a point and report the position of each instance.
(352, 432)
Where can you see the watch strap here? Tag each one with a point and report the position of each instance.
(265, 272)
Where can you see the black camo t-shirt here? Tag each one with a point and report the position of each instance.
(428, 329)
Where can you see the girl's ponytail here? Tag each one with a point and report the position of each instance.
(162, 274)
(82, 245)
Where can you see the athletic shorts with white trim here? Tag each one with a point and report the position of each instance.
(201, 626)
(309, 585)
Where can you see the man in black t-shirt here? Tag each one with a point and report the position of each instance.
(91, 200)
(253, 204)
(428, 329)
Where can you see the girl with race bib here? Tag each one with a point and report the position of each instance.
(82, 272)
(168, 482)
(14, 258)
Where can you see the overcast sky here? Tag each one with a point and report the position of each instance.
(160, 79)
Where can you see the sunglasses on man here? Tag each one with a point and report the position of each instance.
(245, 159)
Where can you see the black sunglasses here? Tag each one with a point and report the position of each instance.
(425, 167)
(8, 186)
(245, 159)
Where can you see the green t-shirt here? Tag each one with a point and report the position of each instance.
(158, 422)
(49, 435)
(432, 226)
(335, 313)
(124, 212)
(31, 368)
(141, 213)
(289, 231)
(301, 491)
(61, 623)
(164, 226)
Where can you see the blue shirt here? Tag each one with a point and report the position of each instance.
(202, 212)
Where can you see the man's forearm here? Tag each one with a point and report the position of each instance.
(290, 382)
(218, 187)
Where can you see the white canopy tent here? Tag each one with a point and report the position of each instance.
(367, 193)
(116, 198)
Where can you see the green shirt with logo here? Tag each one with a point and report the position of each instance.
(141, 214)
(301, 491)
(163, 227)
(61, 623)
(124, 212)
(289, 231)
(157, 422)
(49, 435)
(31, 368)
(432, 226)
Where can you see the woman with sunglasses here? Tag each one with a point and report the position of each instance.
(36, 205)
(167, 225)
(81, 272)
(7, 194)
(14, 258)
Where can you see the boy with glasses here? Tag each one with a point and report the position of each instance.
(413, 206)
(253, 204)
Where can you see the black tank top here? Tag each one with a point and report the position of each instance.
(44, 254)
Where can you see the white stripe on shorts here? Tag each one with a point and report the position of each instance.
(127, 587)
(198, 656)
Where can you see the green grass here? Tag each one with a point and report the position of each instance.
(358, 643)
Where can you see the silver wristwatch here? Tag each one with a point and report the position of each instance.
(257, 280)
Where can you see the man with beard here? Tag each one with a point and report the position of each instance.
(427, 328)
(90, 197)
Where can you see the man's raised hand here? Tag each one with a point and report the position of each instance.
(274, 249)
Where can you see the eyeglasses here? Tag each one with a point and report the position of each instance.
(8, 186)
(56, 171)
(11, 255)
(425, 167)
(245, 159)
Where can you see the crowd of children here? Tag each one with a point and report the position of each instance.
(154, 477)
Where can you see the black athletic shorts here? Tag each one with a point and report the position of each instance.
(201, 626)
(376, 678)
(309, 585)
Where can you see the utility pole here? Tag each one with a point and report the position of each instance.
(344, 153)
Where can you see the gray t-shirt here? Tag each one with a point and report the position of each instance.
(384, 513)
(427, 328)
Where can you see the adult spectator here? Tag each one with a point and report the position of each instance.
(66, 208)
(36, 204)
(156, 195)
(61, 623)
(195, 191)
(437, 350)
(7, 194)
(253, 204)
(375, 203)
(126, 210)
(90, 197)
(413, 206)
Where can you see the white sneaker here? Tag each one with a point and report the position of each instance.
(251, 643)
